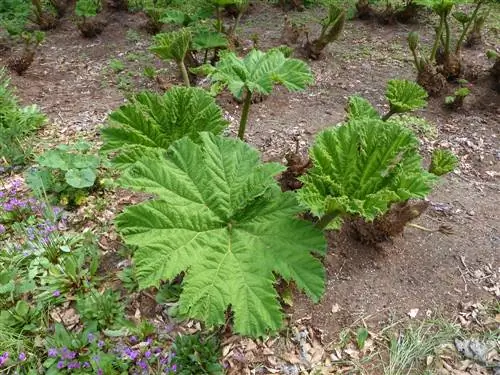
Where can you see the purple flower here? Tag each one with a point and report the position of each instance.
(147, 354)
(174, 367)
(2, 229)
(61, 365)
(74, 365)
(3, 358)
(100, 344)
(22, 357)
(142, 364)
(99, 371)
(52, 352)
(133, 339)
(86, 365)
(90, 337)
(56, 293)
(96, 358)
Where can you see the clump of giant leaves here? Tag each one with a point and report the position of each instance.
(220, 217)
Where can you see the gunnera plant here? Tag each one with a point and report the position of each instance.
(217, 212)
(174, 46)
(360, 169)
(22, 59)
(331, 27)
(445, 58)
(257, 73)
(89, 21)
(44, 15)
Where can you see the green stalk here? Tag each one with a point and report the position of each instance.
(184, 73)
(325, 220)
(467, 26)
(447, 36)
(438, 39)
(416, 60)
(244, 113)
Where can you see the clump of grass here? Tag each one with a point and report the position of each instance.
(409, 349)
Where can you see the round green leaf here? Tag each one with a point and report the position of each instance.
(80, 178)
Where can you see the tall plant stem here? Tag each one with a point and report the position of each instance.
(446, 36)
(416, 60)
(184, 73)
(439, 32)
(325, 220)
(244, 113)
(467, 26)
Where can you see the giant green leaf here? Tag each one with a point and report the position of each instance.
(362, 167)
(151, 122)
(259, 71)
(220, 217)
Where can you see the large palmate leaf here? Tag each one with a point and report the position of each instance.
(259, 71)
(173, 45)
(361, 168)
(220, 217)
(206, 39)
(151, 122)
(405, 96)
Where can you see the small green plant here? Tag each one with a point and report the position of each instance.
(116, 65)
(442, 162)
(105, 308)
(217, 212)
(331, 27)
(195, 354)
(257, 73)
(174, 46)
(403, 96)
(150, 123)
(69, 171)
(361, 336)
(457, 99)
(360, 169)
(88, 22)
(16, 125)
(129, 279)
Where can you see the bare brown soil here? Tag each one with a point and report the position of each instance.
(429, 271)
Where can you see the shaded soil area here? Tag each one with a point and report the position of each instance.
(422, 270)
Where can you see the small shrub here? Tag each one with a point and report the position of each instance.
(457, 99)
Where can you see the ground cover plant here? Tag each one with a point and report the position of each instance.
(346, 225)
(17, 123)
